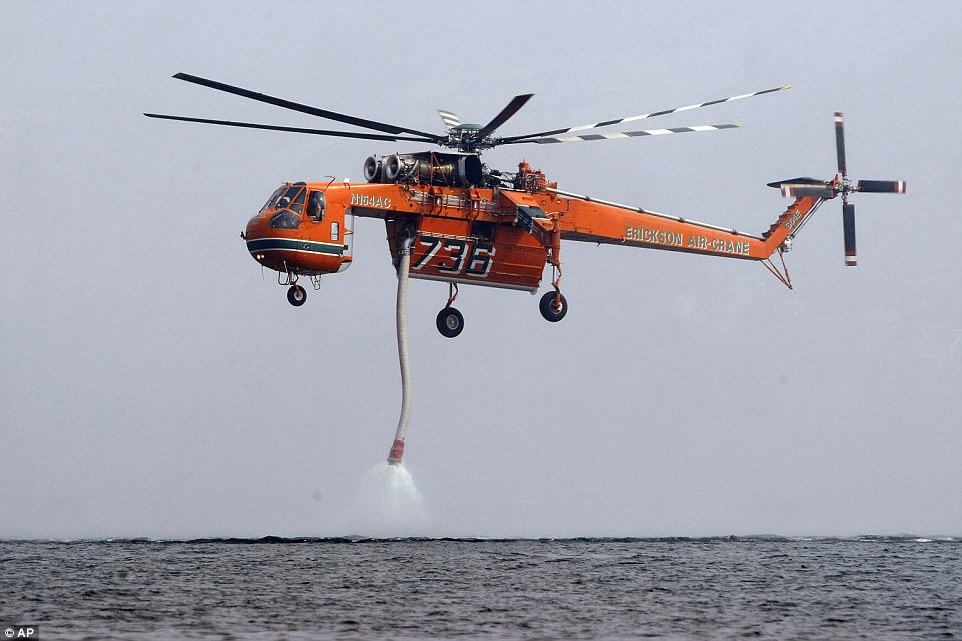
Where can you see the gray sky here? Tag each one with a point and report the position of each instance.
(155, 382)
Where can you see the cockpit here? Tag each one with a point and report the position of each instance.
(286, 196)
(289, 201)
(295, 233)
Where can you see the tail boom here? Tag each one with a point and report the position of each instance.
(612, 224)
(789, 223)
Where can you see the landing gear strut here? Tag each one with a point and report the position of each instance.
(296, 295)
(553, 304)
(450, 322)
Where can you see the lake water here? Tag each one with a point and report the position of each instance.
(352, 588)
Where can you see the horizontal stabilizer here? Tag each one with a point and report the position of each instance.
(810, 190)
(796, 181)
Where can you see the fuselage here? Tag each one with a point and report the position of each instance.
(501, 237)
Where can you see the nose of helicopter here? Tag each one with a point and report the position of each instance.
(287, 242)
(255, 225)
(254, 234)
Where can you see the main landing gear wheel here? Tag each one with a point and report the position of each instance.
(551, 309)
(296, 295)
(450, 322)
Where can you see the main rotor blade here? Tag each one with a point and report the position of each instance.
(621, 134)
(449, 118)
(881, 186)
(512, 108)
(840, 141)
(314, 111)
(617, 121)
(299, 130)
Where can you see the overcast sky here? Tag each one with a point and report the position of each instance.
(155, 382)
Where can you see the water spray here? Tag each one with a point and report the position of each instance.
(404, 265)
(388, 494)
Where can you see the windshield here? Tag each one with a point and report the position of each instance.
(274, 196)
(285, 219)
(291, 197)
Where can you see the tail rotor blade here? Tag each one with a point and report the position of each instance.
(848, 228)
(840, 142)
(881, 186)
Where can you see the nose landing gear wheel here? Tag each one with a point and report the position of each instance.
(296, 295)
(550, 309)
(450, 322)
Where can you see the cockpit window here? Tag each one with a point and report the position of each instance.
(277, 194)
(315, 206)
(285, 219)
(292, 197)
(298, 203)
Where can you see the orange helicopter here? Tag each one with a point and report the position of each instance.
(465, 223)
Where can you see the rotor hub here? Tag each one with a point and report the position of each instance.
(845, 188)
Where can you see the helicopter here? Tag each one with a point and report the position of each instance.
(463, 222)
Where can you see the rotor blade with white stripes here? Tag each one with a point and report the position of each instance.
(450, 119)
(621, 134)
(299, 130)
(618, 121)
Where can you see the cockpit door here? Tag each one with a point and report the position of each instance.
(328, 232)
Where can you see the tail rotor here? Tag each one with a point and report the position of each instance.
(841, 185)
